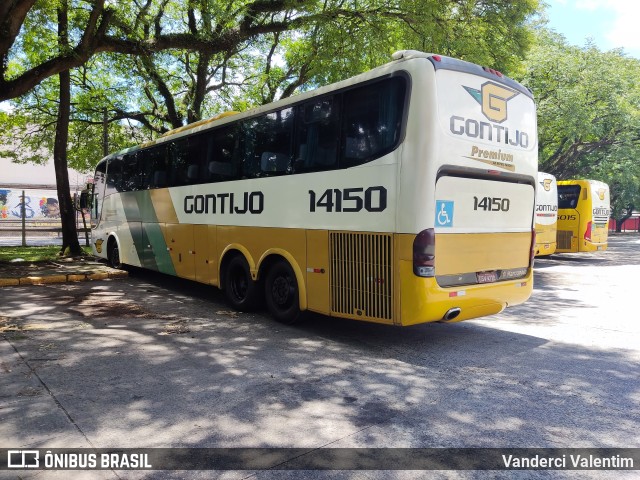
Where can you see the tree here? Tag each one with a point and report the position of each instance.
(326, 41)
(183, 52)
(621, 171)
(67, 210)
(589, 121)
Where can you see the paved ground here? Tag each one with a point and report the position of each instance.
(149, 361)
(61, 270)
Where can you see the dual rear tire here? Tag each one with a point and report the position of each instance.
(281, 292)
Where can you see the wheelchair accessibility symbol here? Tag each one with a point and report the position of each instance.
(444, 213)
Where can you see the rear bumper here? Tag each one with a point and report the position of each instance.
(423, 300)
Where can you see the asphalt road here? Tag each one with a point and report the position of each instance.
(151, 361)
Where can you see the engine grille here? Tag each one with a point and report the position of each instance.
(361, 275)
(564, 239)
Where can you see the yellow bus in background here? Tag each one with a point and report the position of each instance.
(583, 216)
(546, 214)
(403, 195)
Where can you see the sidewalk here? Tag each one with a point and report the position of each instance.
(58, 271)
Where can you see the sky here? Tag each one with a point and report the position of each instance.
(610, 23)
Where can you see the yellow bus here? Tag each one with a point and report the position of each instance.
(400, 196)
(583, 216)
(546, 214)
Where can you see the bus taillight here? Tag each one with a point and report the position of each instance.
(424, 253)
(532, 253)
(587, 233)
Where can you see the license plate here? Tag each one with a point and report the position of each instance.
(487, 277)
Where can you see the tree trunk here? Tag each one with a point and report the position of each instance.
(67, 210)
(621, 220)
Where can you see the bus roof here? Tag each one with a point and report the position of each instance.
(450, 63)
(582, 181)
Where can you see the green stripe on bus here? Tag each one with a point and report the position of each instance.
(159, 251)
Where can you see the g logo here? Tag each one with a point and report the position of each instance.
(601, 192)
(493, 98)
(546, 184)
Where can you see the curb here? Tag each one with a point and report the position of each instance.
(61, 278)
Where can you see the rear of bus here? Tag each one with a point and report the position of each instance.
(583, 216)
(468, 175)
(546, 214)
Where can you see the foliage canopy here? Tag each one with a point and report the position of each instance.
(588, 115)
(139, 68)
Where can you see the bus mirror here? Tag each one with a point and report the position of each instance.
(83, 200)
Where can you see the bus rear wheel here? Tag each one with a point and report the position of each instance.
(239, 289)
(282, 294)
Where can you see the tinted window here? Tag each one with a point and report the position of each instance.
(340, 130)
(221, 162)
(568, 196)
(318, 135)
(114, 178)
(102, 167)
(267, 144)
(372, 120)
(155, 167)
(196, 157)
(131, 173)
(178, 153)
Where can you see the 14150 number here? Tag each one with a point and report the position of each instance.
(373, 199)
(491, 204)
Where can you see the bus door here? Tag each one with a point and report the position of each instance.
(99, 185)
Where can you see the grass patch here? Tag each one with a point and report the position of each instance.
(33, 254)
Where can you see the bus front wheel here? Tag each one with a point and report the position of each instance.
(281, 293)
(239, 289)
(113, 254)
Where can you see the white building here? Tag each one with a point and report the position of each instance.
(18, 175)
(38, 182)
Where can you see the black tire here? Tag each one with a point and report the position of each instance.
(113, 254)
(282, 294)
(240, 290)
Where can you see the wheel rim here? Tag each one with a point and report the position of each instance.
(239, 284)
(282, 291)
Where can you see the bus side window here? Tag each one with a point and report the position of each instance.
(178, 155)
(131, 172)
(160, 167)
(154, 164)
(372, 120)
(222, 155)
(194, 171)
(267, 144)
(318, 136)
(114, 177)
(250, 161)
